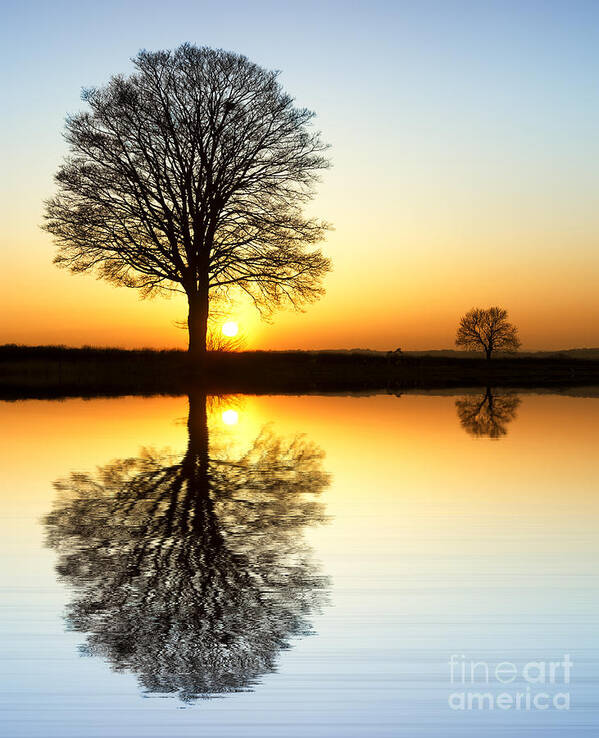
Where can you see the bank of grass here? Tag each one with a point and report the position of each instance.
(56, 371)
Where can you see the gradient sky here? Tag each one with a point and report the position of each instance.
(465, 144)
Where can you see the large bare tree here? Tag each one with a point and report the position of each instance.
(487, 330)
(191, 174)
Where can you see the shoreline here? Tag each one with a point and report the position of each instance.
(54, 372)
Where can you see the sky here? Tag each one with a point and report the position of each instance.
(465, 148)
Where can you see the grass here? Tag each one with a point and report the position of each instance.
(56, 371)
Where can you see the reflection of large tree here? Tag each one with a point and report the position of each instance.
(487, 414)
(192, 572)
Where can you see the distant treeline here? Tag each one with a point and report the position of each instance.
(574, 353)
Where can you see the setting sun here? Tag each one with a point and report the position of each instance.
(230, 328)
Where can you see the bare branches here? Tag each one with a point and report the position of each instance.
(487, 330)
(217, 341)
(191, 174)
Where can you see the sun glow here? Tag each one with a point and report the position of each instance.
(230, 417)
(230, 328)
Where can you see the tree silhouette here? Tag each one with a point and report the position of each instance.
(487, 330)
(191, 175)
(487, 414)
(192, 573)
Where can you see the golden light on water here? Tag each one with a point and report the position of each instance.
(230, 417)
(230, 328)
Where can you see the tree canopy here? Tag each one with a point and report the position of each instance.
(191, 174)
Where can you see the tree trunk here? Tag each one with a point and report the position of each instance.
(488, 353)
(197, 324)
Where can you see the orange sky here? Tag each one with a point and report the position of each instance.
(382, 293)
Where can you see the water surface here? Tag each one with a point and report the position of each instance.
(299, 566)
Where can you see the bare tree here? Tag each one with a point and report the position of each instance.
(487, 330)
(191, 175)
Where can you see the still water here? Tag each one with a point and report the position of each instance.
(415, 565)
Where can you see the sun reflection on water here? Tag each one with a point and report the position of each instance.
(230, 417)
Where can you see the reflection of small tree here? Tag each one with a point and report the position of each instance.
(191, 572)
(487, 330)
(488, 414)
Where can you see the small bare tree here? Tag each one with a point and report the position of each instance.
(191, 175)
(487, 330)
